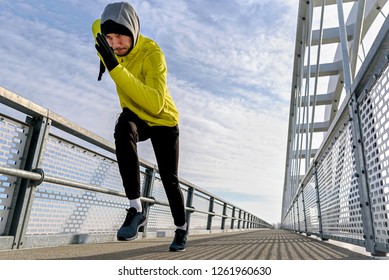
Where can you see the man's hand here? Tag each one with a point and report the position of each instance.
(106, 52)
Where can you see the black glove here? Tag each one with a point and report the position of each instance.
(101, 70)
(106, 52)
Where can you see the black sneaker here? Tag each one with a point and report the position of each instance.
(179, 241)
(129, 230)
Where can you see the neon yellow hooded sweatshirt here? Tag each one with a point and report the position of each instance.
(140, 78)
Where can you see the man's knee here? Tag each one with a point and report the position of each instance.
(125, 131)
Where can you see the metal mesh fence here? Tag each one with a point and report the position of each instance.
(374, 115)
(13, 137)
(80, 197)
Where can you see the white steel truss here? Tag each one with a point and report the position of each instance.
(332, 40)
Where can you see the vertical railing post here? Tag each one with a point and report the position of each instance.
(294, 215)
(298, 215)
(210, 210)
(33, 156)
(319, 216)
(148, 193)
(222, 226)
(304, 212)
(361, 176)
(233, 217)
(244, 220)
(240, 219)
(189, 204)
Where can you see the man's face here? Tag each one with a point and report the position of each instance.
(121, 44)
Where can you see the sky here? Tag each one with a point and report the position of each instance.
(229, 72)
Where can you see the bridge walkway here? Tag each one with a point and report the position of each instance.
(275, 244)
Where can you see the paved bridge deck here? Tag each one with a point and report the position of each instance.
(274, 244)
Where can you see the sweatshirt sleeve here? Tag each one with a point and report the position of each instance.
(150, 94)
(95, 30)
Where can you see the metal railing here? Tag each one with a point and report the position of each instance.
(340, 190)
(60, 184)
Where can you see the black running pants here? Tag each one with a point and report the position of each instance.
(130, 130)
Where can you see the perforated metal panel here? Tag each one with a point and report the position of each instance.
(288, 222)
(311, 212)
(13, 137)
(66, 161)
(295, 217)
(198, 221)
(58, 210)
(217, 221)
(338, 188)
(160, 216)
(61, 209)
(227, 222)
(218, 207)
(301, 215)
(375, 128)
(200, 202)
(236, 215)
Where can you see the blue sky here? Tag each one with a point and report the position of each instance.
(230, 68)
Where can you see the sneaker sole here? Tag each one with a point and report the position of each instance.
(170, 250)
(120, 238)
(176, 250)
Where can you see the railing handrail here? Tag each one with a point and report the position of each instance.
(39, 176)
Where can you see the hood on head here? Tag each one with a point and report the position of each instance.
(124, 14)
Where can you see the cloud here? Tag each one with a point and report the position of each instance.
(57, 70)
(233, 141)
(228, 45)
